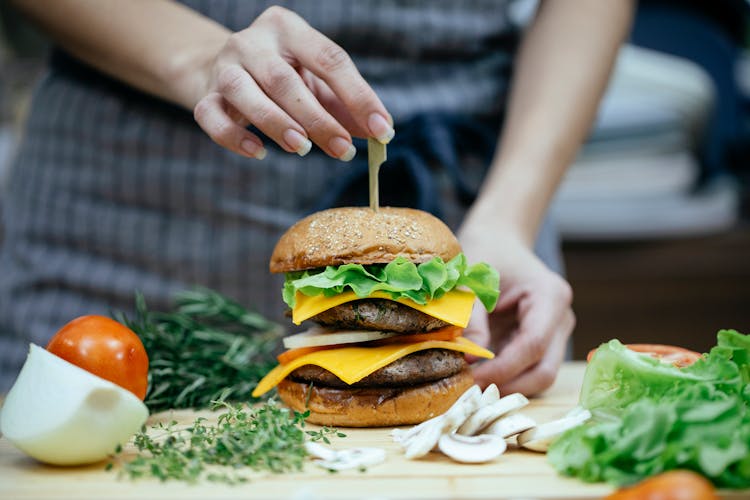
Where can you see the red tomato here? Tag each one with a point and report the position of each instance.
(678, 356)
(673, 485)
(105, 348)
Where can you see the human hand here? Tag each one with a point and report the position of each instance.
(293, 84)
(531, 324)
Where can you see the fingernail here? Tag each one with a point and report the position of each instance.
(343, 149)
(380, 129)
(253, 149)
(298, 142)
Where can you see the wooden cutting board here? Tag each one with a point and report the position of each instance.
(515, 474)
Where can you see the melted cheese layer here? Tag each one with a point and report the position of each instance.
(352, 364)
(454, 307)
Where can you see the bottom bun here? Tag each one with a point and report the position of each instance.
(375, 406)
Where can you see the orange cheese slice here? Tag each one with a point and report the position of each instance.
(454, 307)
(352, 364)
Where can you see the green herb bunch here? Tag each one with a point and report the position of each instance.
(210, 348)
(266, 438)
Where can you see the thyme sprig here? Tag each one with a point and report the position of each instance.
(264, 438)
(209, 349)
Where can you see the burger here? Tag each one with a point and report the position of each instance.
(389, 293)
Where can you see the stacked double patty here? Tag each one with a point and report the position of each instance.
(410, 389)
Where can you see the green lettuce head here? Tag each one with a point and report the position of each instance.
(650, 417)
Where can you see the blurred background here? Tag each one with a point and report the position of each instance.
(655, 212)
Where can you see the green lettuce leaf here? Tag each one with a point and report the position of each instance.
(735, 346)
(650, 417)
(400, 278)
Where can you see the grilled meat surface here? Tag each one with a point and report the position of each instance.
(378, 314)
(416, 368)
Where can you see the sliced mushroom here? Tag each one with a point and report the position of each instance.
(422, 443)
(490, 395)
(426, 435)
(472, 449)
(403, 436)
(319, 451)
(488, 414)
(349, 458)
(510, 425)
(399, 435)
(470, 398)
(462, 409)
(540, 437)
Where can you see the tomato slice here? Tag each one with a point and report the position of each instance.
(446, 333)
(292, 354)
(678, 356)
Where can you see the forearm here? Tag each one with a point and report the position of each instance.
(157, 46)
(562, 70)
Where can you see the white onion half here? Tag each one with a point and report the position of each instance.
(61, 414)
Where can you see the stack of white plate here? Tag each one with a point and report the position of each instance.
(637, 175)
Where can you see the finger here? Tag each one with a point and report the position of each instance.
(332, 64)
(211, 116)
(235, 115)
(543, 374)
(243, 93)
(285, 87)
(538, 317)
(509, 299)
(503, 333)
(331, 102)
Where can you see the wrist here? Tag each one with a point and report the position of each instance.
(188, 72)
(485, 234)
(505, 206)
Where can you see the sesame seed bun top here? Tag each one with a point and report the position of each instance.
(360, 235)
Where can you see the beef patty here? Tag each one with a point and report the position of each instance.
(378, 314)
(417, 368)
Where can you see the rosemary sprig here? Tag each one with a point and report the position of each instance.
(209, 349)
(267, 437)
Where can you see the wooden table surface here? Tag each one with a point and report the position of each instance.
(515, 474)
